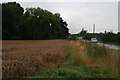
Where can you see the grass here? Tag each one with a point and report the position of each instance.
(68, 72)
(85, 60)
(103, 59)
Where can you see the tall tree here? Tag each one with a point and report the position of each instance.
(42, 24)
(11, 13)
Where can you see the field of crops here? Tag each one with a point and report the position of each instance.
(58, 59)
(22, 58)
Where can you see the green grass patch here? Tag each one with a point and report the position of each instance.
(69, 72)
(72, 57)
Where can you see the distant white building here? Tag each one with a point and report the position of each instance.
(79, 38)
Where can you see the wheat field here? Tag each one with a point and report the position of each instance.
(22, 58)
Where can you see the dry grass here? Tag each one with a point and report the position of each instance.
(98, 58)
(81, 50)
(23, 58)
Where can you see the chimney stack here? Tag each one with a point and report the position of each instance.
(93, 28)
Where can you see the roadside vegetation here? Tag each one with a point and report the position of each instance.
(85, 60)
(104, 37)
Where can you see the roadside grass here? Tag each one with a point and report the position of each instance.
(69, 72)
(85, 60)
(104, 59)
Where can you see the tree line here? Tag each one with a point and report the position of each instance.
(106, 37)
(31, 23)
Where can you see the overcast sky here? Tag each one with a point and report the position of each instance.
(80, 15)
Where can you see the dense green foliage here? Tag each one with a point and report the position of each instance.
(11, 13)
(32, 23)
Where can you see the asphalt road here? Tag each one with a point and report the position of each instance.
(117, 47)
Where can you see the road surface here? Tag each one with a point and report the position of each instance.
(117, 47)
